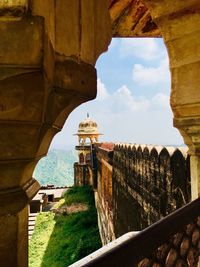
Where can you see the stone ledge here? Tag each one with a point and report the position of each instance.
(13, 200)
(185, 122)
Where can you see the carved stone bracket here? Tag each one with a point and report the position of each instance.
(190, 130)
(15, 199)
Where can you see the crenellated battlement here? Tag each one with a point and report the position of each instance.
(136, 185)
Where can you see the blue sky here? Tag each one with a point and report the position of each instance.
(132, 103)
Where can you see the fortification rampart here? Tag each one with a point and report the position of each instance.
(137, 185)
(104, 192)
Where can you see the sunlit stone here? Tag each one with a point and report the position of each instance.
(13, 9)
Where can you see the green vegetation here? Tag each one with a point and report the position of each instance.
(79, 195)
(60, 240)
(56, 168)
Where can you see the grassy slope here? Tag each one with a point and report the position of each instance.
(60, 241)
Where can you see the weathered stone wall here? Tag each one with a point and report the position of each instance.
(82, 174)
(48, 51)
(149, 183)
(137, 185)
(104, 194)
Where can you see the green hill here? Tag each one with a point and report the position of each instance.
(56, 168)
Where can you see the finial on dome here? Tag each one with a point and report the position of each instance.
(88, 129)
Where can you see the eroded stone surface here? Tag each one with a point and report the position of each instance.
(47, 58)
(131, 18)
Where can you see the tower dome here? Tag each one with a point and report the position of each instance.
(88, 129)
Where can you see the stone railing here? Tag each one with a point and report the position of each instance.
(172, 242)
(148, 182)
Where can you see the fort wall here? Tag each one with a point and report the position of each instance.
(137, 185)
(104, 194)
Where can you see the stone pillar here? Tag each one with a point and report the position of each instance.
(14, 239)
(179, 22)
(47, 55)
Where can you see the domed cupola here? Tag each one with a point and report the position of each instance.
(88, 129)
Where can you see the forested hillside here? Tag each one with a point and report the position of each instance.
(56, 168)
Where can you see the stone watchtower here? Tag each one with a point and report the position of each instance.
(88, 135)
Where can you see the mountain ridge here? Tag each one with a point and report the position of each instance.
(56, 168)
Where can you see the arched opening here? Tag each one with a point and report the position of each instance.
(132, 103)
(42, 124)
(132, 106)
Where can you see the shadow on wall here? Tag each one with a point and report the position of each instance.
(138, 185)
(156, 180)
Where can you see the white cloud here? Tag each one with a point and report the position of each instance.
(123, 117)
(102, 92)
(123, 99)
(127, 101)
(148, 76)
(146, 49)
(161, 100)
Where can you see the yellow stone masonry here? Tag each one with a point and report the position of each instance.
(48, 51)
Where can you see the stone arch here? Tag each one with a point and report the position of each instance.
(184, 56)
(170, 16)
(44, 87)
